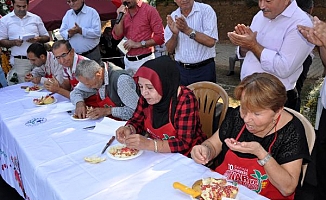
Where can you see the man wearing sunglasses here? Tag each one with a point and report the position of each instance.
(81, 25)
(68, 58)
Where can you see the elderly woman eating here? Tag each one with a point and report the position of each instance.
(259, 144)
(166, 112)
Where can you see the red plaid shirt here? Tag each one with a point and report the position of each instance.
(185, 121)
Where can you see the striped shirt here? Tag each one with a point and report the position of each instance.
(202, 18)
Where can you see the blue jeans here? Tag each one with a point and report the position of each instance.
(3, 80)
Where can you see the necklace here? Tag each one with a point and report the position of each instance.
(274, 126)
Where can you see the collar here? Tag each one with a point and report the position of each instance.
(12, 14)
(106, 73)
(195, 8)
(289, 11)
(140, 3)
(74, 64)
(81, 10)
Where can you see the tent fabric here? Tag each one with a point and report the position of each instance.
(52, 11)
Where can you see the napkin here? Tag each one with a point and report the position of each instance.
(107, 126)
(63, 107)
(37, 94)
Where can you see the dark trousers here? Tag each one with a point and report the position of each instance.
(320, 147)
(204, 73)
(302, 78)
(292, 99)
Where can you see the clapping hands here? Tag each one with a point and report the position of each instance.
(315, 34)
(74, 30)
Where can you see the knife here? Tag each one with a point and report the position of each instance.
(187, 190)
(52, 93)
(108, 144)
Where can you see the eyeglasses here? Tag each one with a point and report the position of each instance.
(71, 1)
(63, 55)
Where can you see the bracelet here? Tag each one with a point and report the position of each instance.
(209, 150)
(263, 161)
(131, 130)
(155, 146)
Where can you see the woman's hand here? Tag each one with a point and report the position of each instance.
(137, 141)
(246, 147)
(200, 154)
(121, 133)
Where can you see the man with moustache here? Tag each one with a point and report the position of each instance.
(142, 26)
(273, 44)
(191, 34)
(67, 57)
(82, 26)
(13, 27)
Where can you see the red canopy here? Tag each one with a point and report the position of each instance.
(52, 11)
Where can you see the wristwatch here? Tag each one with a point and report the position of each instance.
(143, 43)
(192, 35)
(263, 161)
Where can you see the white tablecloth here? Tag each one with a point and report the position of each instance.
(44, 160)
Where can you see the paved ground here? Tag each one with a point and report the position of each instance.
(224, 50)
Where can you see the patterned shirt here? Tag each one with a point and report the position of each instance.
(202, 18)
(51, 66)
(126, 91)
(185, 121)
(291, 143)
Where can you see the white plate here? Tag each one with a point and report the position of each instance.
(77, 119)
(127, 158)
(41, 88)
(55, 101)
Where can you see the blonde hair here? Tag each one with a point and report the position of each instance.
(261, 91)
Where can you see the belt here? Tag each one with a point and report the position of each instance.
(88, 52)
(21, 57)
(196, 65)
(139, 57)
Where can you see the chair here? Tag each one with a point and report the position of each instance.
(209, 96)
(310, 135)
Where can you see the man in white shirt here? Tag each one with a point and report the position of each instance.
(13, 27)
(46, 66)
(191, 34)
(273, 44)
(82, 26)
(316, 35)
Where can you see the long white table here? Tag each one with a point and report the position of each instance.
(44, 160)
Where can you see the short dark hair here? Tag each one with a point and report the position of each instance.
(58, 43)
(38, 49)
(13, 2)
(305, 5)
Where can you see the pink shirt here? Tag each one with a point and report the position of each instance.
(144, 25)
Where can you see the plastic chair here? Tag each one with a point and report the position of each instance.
(310, 135)
(209, 95)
